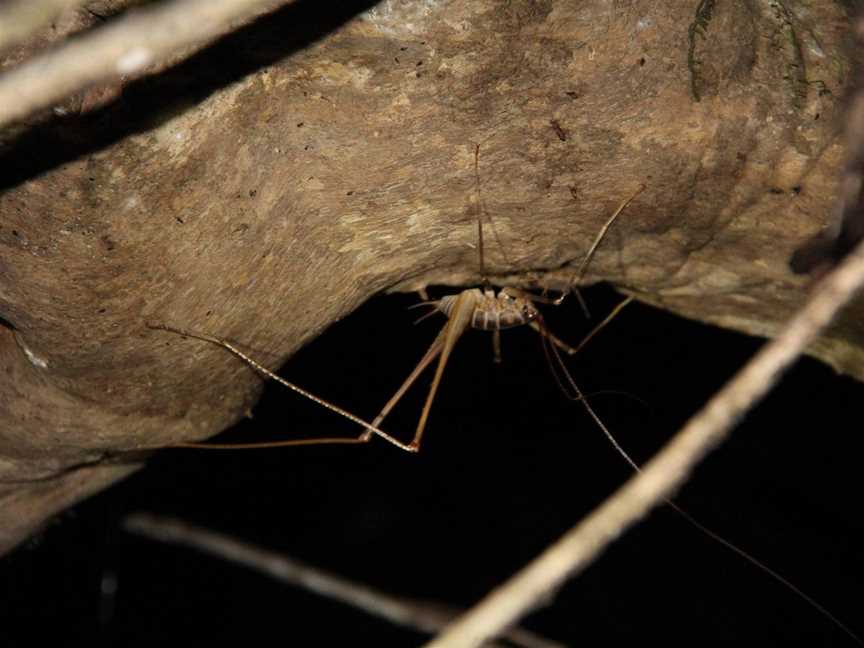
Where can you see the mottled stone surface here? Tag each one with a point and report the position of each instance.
(268, 185)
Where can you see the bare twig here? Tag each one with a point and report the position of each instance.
(663, 474)
(125, 47)
(21, 18)
(417, 615)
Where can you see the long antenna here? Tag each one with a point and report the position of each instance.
(480, 214)
(687, 516)
(370, 429)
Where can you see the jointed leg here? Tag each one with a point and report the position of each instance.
(580, 272)
(602, 324)
(429, 356)
(569, 350)
(369, 428)
(460, 319)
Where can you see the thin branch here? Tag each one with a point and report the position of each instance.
(124, 47)
(662, 475)
(21, 18)
(417, 615)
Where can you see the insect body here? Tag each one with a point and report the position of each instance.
(487, 310)
(491, 311)
(481, 309)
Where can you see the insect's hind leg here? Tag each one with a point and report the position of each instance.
(369, 429)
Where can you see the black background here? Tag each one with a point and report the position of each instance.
(508, 465)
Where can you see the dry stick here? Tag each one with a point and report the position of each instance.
(577, 395)
(666, 472)
(21, 18)
(124, 47)
(418, 615)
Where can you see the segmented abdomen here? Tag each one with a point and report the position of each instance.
(491, 312)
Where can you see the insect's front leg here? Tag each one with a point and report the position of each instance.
(518, 293)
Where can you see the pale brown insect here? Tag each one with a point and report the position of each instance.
(487, 310)
(484, 309)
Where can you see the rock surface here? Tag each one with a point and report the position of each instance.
(266, 186)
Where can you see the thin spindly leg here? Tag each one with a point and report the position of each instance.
(460, 319)
(364, 437)
(275, 444)
(579, 298)
(569, 350)
(514, 292)
(580, 272)
(612, 315)
(430, 355)
(556, 365)
(554, 339)
(440, 348)
(496, 346)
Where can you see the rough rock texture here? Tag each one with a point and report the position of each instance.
(268, 185)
